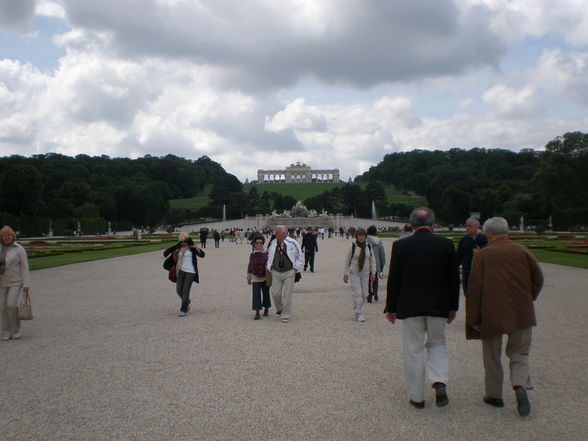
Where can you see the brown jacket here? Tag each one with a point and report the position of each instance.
(504, 282)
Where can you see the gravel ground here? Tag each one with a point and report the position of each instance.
(107, 358)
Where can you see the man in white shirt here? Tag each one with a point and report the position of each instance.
(284, 261)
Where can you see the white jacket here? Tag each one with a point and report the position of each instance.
(16, 271)
(292, 249)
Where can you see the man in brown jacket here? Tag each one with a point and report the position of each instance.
(504, 281)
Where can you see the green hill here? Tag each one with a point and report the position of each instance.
(300, 192)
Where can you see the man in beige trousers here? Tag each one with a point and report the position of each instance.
(504, 282)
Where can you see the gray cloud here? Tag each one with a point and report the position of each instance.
(17, 16)
(358, 43)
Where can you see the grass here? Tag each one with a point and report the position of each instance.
(567, 259)
(300, 192)
(86, 256)
(395, 196)
(194, 203)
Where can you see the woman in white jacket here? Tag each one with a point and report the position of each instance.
(360, 267)
(14, 277)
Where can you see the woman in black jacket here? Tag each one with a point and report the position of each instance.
(183, 255)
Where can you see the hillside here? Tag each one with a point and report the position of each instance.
(300, 192)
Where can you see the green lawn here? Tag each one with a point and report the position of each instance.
(567, 259)
(300, 192)
(396, 196)
(194, 203)
(86, 256)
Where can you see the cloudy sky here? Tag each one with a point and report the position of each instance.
(264, 83)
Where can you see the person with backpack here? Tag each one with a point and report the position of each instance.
(360, 267)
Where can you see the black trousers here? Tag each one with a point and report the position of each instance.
(183, 286)
(309, 258)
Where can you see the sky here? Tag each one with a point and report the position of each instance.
(261, 84)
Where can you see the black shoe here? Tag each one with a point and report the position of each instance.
(523, 405)
(312, 271)
(418, 404)
(441, 394)
(376, 297)
(265, 312)
(496, 402)
(257, 316)
(304, 268)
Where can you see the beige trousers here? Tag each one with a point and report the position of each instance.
(9, 310)
(517, 350)
(282, 287)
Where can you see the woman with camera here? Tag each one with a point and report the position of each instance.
(184, 255)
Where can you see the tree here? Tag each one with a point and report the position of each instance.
(21, 190)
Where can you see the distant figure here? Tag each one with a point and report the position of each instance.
(309, 246)
(423, 291)
(184, 255)
(504, 282)
(284, 261)
(203, 237)
(468, 247)
(256, 278)
(292, 233)
(14, 277)
(216, 236)
(360, 270)
(380, 256)
(406, 231)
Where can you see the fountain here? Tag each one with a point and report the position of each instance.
(374, 217)
(224, 213)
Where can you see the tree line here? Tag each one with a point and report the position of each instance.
(62, 191)
(496, 182)
(92, 191)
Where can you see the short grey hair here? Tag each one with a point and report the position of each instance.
(282, 228)
(474, 220)
(422, 216)
(496, 225)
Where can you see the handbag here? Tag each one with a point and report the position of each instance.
(172, 274)
(268, 278)
(25, 309)
(297, 277)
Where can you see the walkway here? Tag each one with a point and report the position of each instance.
(107, 358)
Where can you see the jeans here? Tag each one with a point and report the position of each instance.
(259, 288)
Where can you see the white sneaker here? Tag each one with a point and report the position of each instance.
(16, 335)
(6, 338)
(360, 318)
(182, 314)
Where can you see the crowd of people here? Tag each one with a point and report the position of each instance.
(500, 279)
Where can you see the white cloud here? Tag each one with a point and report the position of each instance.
(517, 19)
(209, 77)
(511, 103)
(275, 43)
(564, 73)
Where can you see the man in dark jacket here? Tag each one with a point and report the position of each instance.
(423, 290)
(468, 247)
(309, 246)
(505, 281)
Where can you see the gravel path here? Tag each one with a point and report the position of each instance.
(107, 358)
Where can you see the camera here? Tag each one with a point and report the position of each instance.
(190, 241)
